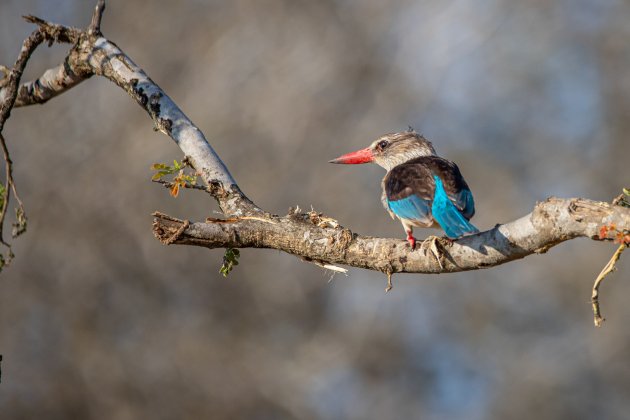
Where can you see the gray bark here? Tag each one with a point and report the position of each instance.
(315, 237)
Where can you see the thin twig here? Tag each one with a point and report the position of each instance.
(11, 86)
(332, 267)
(169, 185)
(10, 184)
(166, 217)
(325, 265)
(95, 24)
(389, 272)
(15, 75)
(390, 285)
(55, 32)
(608, 268)
(7, 185)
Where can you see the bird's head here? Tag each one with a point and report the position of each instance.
(390, 150)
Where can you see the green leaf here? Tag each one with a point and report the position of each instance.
(180, 178)
(230, 259)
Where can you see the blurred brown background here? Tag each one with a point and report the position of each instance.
(98, 320)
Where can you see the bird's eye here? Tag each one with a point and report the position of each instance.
(382, 144)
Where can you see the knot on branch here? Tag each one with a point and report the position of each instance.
(344, 238)
(546, 213)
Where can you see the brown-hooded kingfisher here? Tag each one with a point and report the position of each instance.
(420, 188)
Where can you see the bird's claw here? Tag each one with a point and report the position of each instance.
(432, 244)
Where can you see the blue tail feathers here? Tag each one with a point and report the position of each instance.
(447, 215)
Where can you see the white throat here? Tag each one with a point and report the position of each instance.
(391, 162)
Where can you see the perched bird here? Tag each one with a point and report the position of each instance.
(420, 188)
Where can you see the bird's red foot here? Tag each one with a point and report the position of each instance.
(411, 240)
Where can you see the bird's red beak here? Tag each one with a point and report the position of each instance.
(360, 156)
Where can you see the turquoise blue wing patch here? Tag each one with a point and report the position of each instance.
(412, 208)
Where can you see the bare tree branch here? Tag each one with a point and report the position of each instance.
(107, 60)
(94, 54)
(53, 81)
(311, 236)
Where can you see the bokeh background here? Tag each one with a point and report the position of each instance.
(98, 320)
